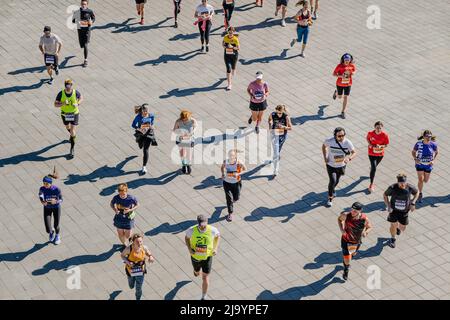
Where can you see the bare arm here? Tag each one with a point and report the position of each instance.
(187, 241)
(216, 244)
(341, 221)
(324, 152)
(270, 120)
(386, 202)
(368, 227)
(289, 123)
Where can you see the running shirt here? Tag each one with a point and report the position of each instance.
(234, 42)
(205, 10)
(258, 91)
(138, 259)
(302, 19)
(425, 151)
(83, 18)
(214, 231)
(232, 172)
(336, 155)
(143, 123)
(354, 228)
(400, 198)
(124, 203)
(380, 139)
(347, 71)
(228, 2)
(51, 193)
(59, 95)
(50, 44)
(279, 122)
(186, 127)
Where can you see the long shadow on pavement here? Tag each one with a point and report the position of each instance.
(165, 58)
(319, 116)
(14, 89)
(299, 292)
(113, 295)
(192, 91)
(101, 173)
(34, 156)
(42, 68)
(281, 57)
(328, 258)
(172, 293)
(157, 25)
(184, 225)
(19, 256)
(113, 25)
(134, 184)
(308, 202)
(76, 261)
(191, 36)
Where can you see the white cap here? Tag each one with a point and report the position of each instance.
(259, 75)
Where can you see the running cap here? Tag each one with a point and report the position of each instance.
(357, 206)
(68, 81)
(259, 75)
(202, 220)
(47, 179)
(47, 28)
(401, 178)
(347, 57)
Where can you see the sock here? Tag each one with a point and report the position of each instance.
(203, 295)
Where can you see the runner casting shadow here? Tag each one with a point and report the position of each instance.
(165, 58)
(32, 156)
(328, 258)
(164, 179)
(23, 88)
(433, 201)
(101, 173)
(192, 91)
(40, 69)
(297, 293)
(238, 134)
(308, 202)
(184, 225)
(113, 25)
(192, 36)
(242, 8)
(127, 28)
(19, 256)
(268, 23)
(319, 116)
(113, 296)
(76, 261)
(283, 56)
(172, 293)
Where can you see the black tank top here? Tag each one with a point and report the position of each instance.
(282, 121)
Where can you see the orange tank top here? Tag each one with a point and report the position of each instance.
(139, 262)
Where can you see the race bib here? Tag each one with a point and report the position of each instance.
(339, 159)
(345, 79)
(50, 59)
(259, 95)
(229, 1)
(144, 128)
(185, 138)
(84, 23)
(229, 50)
(278, 131)
(400, 205)
(201, 250)
(351, 247)
(137, 271)
(69, 117)
(231, 174)
(377, 150)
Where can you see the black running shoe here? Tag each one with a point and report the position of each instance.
(345, 275)
(419, 199)
(176, 24)
(57, 71)
(189, 169)
(250, 120)
(184, 169)
(207, 48)
(392, 243)
(72, 152)
(334, 94)
(398, 231)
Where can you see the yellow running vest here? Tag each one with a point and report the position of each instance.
(69, 106)
(202, 243)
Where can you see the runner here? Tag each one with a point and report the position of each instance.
(337, 152)
(282, 4)
(280, 124)
(314, 9)
(232, 170)
(258, 91)
(145, 136)
(69, 100)
(424, 154)
(135, 257)
(124, 206)
(399, 205)
(50, 45)
(303, 18)
(228, 8)
(354, 225)
(51, 198)
(344, 72)
(140, 4)
(176, 11)
(231, 46)
(202, 242)
(84, 18)
(184, 129)
(204, 14)
(378, 140)
(259, 3)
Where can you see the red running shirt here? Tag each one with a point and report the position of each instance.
(354, 228)
(347, 70)
(381, 139)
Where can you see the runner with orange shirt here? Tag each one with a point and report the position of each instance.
(378, 141)
(344, 72)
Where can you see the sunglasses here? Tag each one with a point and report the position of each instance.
(340, 135)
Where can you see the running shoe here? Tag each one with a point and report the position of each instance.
(276, 13)
(293, 42)
(329, 203)
(184, 169)
(144, 170)
(85, 63)
(343, 115)
(176, 25)
(419, 199)
(207, 48)
(229, 88)
(398, 231)
(345, 275)
(52, 235)
(283, 23)
(72, 152)
(57, 71)
(230, 217)
(392, 243)
(202, 49)
(57, 239)
(141, 22)
(314, 16)
(50, 81)
(371, 188)
(257, 130)
(189, 169)
(334, 94)
(250, 120)
(302, 55)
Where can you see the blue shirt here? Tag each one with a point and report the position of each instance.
(124, 203)
(139, 120)
(425, 151)
(51, 193)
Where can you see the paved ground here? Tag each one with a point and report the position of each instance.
(283, 243)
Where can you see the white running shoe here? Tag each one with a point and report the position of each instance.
(283, 23)
(144, 170)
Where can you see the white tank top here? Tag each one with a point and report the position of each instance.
(231, 172)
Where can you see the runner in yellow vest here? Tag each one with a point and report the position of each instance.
(202, 241)
(69, 100)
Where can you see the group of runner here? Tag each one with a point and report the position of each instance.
(202, 240)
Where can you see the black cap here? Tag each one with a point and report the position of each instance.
(47, 28)
(357, 206)
(401, 178)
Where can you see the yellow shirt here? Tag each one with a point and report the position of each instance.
(234, 41)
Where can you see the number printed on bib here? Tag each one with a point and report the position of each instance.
(339, 159)
(278, 131)
(229, 1)
(84, 23)
(229, 50)
(50, 59)
(377, 150)
(201, 250)
(351, 247)
(400, 205)
(69, 117)
(137, 271)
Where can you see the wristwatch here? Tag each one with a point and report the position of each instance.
(413, 203)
